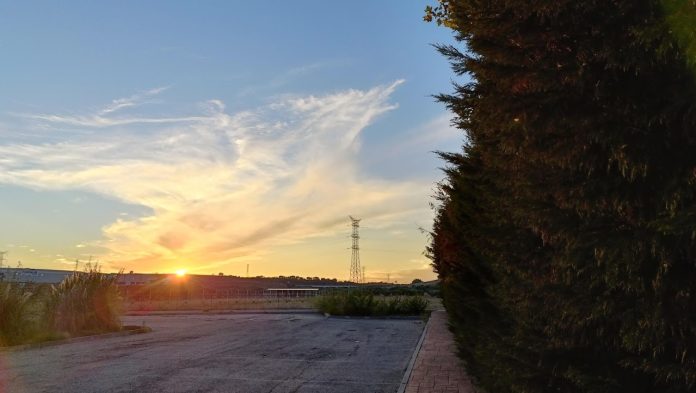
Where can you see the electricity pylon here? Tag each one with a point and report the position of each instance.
(355, 270)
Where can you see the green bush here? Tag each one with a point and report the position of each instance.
(363, 303)
(414, 305)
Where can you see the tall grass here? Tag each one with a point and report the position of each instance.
(361, 303)
(15, 314)
(85, 302)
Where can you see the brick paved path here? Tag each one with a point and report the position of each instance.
(437, 368)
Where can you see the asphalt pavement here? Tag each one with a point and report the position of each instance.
(224, 353)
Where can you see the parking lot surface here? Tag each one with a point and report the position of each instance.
(224, 353)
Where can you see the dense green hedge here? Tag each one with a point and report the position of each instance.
(565, 235)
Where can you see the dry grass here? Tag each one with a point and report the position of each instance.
(16, 322)
(85, 302)
(243, 303)
(434, 303)
(221, 304)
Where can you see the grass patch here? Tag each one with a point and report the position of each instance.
(15, 314)
(361, 303)
(84, 303)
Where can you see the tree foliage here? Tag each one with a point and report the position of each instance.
(565, 235)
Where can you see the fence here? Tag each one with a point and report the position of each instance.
(144, 298)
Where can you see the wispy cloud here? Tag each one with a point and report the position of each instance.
(101, 121)
(107, 116)
(225, 186)
(434, 133)
(131, 101)
(275, 82)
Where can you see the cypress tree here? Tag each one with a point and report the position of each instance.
(566, 230)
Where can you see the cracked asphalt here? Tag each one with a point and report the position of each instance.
(224, 353)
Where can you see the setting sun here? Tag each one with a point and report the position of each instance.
(181, 272)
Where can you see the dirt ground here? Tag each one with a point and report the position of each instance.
(299, 352)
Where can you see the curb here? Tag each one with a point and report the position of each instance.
(53, 343)
(378, 317)
(269, 311)
(412, 362)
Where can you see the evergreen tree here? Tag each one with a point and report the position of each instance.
(566, 229)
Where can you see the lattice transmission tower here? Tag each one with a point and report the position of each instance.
(355, 270)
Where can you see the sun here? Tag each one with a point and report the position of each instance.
(181, 272)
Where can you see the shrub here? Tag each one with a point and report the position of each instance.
(413, 305)
(85, 302)
(15, 319)
(362, 303)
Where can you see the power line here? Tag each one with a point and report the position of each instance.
(355, 270)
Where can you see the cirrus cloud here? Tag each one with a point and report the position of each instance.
(220, 186)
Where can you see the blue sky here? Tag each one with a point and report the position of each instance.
(208, 135)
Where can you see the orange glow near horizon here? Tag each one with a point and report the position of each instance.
(180, 272)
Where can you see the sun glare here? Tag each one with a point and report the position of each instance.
(181, 272)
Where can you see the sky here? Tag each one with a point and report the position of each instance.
(208, 136)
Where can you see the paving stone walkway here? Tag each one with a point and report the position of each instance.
(437, 368)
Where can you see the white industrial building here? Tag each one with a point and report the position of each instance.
(33, 276)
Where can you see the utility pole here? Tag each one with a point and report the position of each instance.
(363, 275)
(2, 258)
(355, 271)
(247, 270)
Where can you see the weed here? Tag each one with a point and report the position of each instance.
(15, 318)
(85, 302)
